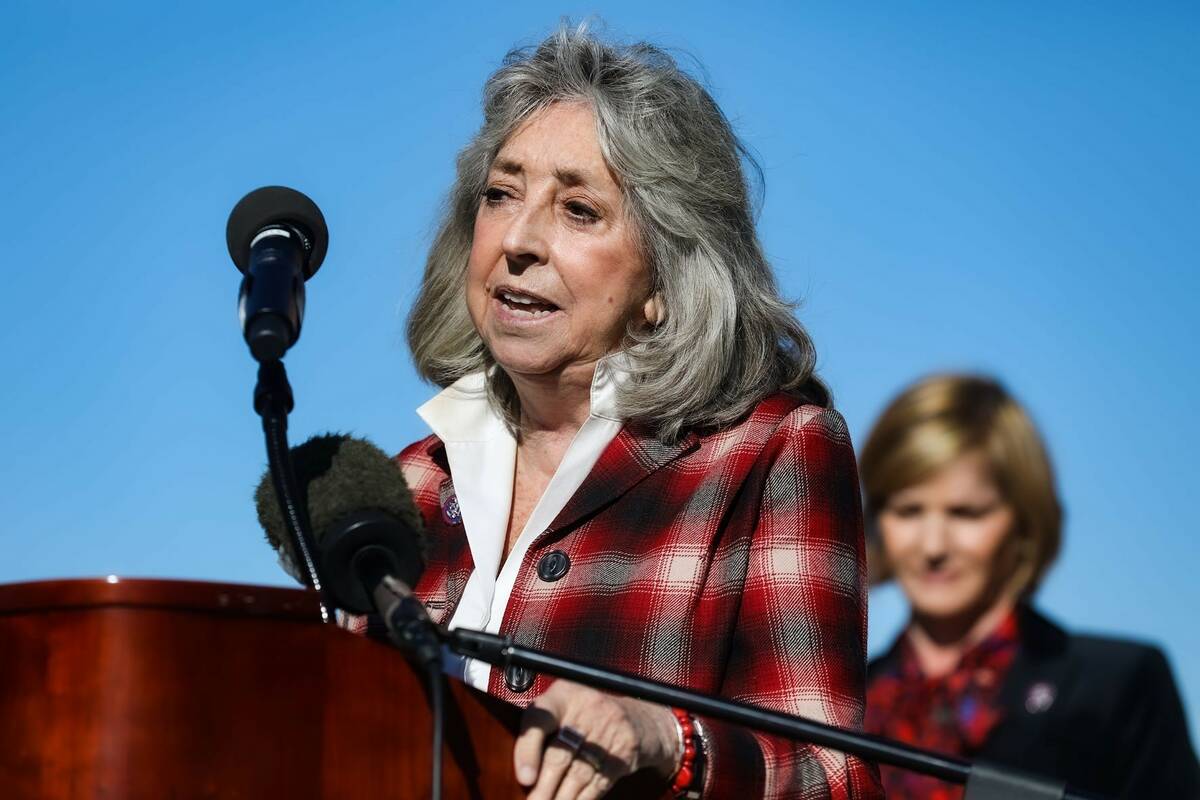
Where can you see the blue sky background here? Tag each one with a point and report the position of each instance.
(1007, 187)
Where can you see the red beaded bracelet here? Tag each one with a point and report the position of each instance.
(687, 764)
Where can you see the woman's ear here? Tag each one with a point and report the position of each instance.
(654, 311)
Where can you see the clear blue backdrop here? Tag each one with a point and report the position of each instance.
(1011, 187)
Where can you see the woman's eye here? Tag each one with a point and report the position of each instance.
(494, 195)
(582, 212)
(970, 512)
(906, 512)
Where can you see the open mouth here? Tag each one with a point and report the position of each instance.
(525, 304)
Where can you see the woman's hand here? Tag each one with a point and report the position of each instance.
(619, 736)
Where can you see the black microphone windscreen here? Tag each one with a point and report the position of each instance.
(271, 205)
(337, 476)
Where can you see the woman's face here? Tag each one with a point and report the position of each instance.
(554, 277)
(951, 542)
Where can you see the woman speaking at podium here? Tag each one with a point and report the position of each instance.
(632, 463)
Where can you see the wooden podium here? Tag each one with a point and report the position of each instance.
(170, 689)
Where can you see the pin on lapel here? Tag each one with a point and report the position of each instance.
(1040, 697)
(451, 513)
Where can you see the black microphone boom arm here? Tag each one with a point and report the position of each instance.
(501, 651)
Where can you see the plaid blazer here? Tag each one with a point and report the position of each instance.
(729, 563)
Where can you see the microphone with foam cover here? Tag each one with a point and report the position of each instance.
(363, 518)
(277, 239)
(369, 548)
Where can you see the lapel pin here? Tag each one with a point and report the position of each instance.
(451, 513)
(1039, 698)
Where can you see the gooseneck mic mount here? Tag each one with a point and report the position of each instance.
(277, 239)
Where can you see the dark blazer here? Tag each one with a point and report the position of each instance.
(1102, 714)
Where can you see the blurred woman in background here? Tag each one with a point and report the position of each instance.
(964, 515)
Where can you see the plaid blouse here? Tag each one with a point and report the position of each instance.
(952, 714)
(729, 563)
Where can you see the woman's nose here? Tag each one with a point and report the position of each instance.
(525, 241)
(935, 536)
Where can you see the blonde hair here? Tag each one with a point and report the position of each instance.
(937, 420)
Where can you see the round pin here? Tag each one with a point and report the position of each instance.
(451, 513)
(1039, 697)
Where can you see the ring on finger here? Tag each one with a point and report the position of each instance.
(571, 739)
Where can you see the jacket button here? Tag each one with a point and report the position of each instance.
(553, 566)
(518, 679)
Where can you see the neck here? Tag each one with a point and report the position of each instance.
(940, 642)
(555, 404)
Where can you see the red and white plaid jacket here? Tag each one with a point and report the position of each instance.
(729, 563)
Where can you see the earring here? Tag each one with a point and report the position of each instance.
(653, 311)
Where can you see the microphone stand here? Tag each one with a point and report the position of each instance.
(273, 401)
(410, 627)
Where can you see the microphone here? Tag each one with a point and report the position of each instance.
(366, 526)
(368, 537)
(277, 238)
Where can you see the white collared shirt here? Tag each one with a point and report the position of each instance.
(483, 457)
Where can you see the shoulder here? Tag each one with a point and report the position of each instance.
(1121, 661)
(1120, 673)
(794, 462)
(1103, 711)
(1109, 671)
(782, 417)
(790, 413)
(809, 440)
(1103, 656)
(781, 438)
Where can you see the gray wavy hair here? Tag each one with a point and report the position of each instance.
(728, 339)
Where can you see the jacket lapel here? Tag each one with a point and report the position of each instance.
(1030, 689)
(441, 587)
(628, 460)
(632, 456)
